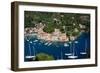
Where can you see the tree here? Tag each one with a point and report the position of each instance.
(43, 57)
(54, 20)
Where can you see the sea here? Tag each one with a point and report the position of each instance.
(76, 49)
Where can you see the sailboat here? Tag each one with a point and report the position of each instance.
(66, 45)
(73, 56)
(67, 54)
(84, 52)
(30, 56)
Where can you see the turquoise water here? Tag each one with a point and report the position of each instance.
(77, 49)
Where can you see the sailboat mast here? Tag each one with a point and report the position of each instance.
(34, 50)
(29, 49)
(85, 45)
(61, 54)
(73, 48)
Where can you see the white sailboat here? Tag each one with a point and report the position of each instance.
(66, 45)
(67, 54)
(30, 52)
(73, 56)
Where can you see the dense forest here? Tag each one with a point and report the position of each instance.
(66, 22)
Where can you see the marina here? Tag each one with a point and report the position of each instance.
(75, 49)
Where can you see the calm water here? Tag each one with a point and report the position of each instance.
(77, 49)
